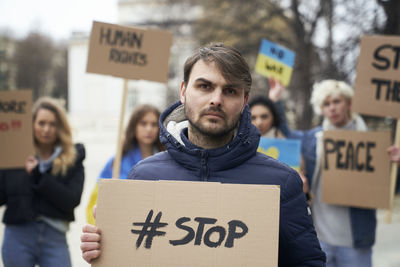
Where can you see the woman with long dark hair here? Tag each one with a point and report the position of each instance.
(140, 141)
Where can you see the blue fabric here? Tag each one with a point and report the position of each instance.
(127, 162)
(34, 243)
(363, 221)
(337, 256)
(45, 165)
(238, 162)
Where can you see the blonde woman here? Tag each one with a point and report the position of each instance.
(41, 198)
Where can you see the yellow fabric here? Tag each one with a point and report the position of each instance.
(92, 202)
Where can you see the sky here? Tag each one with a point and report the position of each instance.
(55, 18)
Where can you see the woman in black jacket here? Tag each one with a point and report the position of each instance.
(41, 197)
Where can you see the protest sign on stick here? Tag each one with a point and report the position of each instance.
(377, 85)
(129, 53)
(275, 61)
(356, 169)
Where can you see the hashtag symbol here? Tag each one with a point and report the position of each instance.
(149, 233)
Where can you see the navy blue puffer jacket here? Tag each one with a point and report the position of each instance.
(237, 162)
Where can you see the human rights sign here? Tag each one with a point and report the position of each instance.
(284, 150)
(175, 223)
(377, 86)
(275, 61)
(129, 52)
(16, 141)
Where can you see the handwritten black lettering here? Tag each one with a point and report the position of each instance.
(329, 147)
(207, 237)
(12, 106)
(189, 237)
(216, 231)
(348, 155)
(381, 57)
(149, 234)
(391, 88)
(125, 57)
(278, 52)
(232, 234)
(121, 38)
(274, 68)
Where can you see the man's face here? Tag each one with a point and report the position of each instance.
(337, 110)
(212, 106)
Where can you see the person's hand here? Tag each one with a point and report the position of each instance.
(30, 163)
(394, 153)
(275, 89)
(90, 242)
(305, 182)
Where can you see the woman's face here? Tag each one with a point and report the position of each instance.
(147, 129)
(45, 127)
(262, 118)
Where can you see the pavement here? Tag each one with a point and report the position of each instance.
(99, 138)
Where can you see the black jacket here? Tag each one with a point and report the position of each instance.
(28, 196)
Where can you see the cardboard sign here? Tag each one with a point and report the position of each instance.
(275, 61)
(377, 87)
(171, 223)
(284, 150)
(16, 141)
(356, 169)
(128, 52)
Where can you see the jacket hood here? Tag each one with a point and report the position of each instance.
(173, 134)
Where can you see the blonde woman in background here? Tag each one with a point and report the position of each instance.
(41, 197)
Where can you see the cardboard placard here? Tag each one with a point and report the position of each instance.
(16, 141)
(356, 169)
(275, 61)
(377, 86)
(129, 52)
(284, 150)
(175, 223)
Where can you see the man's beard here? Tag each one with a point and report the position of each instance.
(206, 131)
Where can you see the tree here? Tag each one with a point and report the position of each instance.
(60, 73)
(33, 60)
(392, 11)
(6, 45)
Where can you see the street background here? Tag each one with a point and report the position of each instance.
(99, 136)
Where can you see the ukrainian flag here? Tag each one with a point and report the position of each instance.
(275, 61)
(284, 150)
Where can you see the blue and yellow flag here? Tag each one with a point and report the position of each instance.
(284, 150)
(275, 61)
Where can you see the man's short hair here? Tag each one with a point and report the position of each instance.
(228, 60)
(325, 88)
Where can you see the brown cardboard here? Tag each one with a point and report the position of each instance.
(123, 202)
(129, 52)
(16, 141)
(366, 187)
(378, 64)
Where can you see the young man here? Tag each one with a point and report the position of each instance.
(346, 234)
(209, 137)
